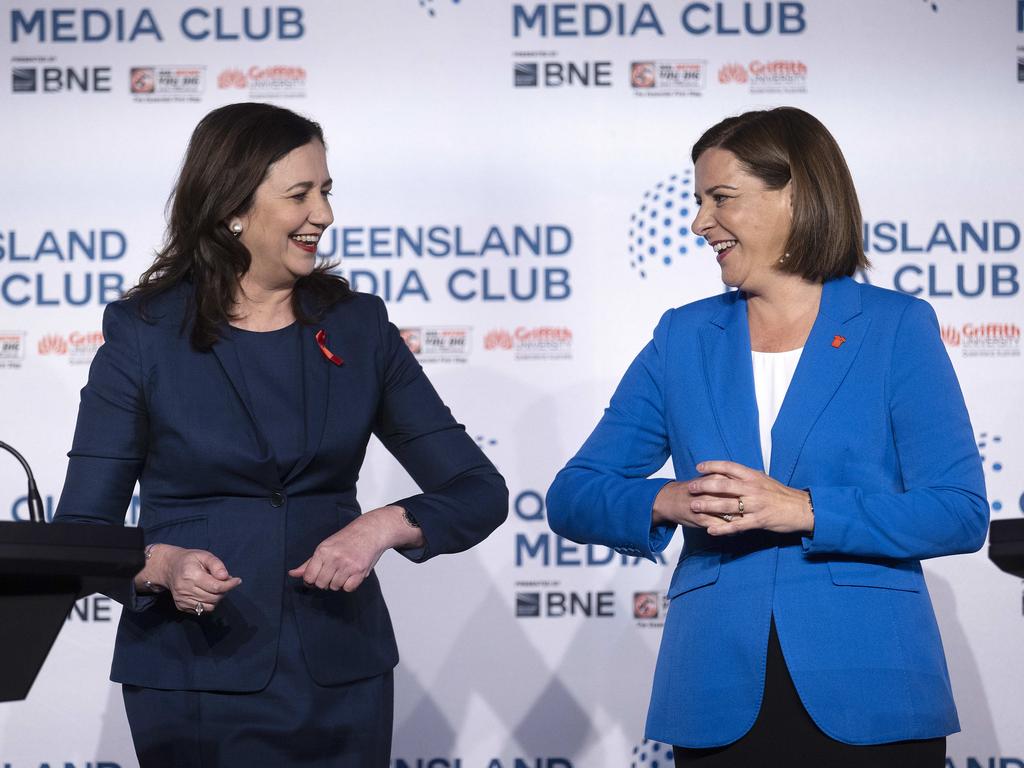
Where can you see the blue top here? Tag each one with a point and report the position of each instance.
(875, 426)
(270, 363)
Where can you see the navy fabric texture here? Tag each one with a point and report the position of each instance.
(292, 722)
(183, 424)
(270, 362)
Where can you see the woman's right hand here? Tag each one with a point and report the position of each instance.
(672, 506)
(196, 579)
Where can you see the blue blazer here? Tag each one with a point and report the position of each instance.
(180, 422)
(877, 429)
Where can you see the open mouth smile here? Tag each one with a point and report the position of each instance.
(306, 242)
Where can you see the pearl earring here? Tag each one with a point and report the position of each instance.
(236, 228)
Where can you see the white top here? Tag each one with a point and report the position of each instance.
(773, 371)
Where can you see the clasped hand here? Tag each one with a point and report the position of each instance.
(708, 501)
(198, 580)
(344, 559)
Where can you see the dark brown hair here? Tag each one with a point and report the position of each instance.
(786, 143)
(228, 157)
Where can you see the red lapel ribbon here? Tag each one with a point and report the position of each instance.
(837, 341)
(321, 341)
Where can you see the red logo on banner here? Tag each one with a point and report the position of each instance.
(52, 344)
(732, 73)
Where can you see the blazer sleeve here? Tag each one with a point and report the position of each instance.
(464, 498)
(111, 436)
(942, 509)
(603, 495)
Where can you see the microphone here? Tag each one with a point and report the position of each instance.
(35, 501)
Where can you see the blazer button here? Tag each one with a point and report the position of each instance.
(277, 499)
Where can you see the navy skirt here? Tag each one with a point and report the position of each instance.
(292, 723)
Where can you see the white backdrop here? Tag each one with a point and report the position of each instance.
(467, 120)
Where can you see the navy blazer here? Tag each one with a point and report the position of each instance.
(874, 424)
(179, 421)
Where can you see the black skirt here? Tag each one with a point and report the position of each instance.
(784, 734)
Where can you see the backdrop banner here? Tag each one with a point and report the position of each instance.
(514, 180)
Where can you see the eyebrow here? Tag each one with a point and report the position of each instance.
(711, 190)
(307, 185)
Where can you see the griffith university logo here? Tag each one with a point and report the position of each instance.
(659, 230)
(430, 6)
(652, 754)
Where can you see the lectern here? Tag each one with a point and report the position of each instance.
(1006, 545)
(43, 570)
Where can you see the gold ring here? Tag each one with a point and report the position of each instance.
(740, 500)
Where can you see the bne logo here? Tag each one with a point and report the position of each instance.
(555, 74)
(555, 604)
(58, 79)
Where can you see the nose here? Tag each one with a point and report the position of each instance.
(322, 215)
(703, 221)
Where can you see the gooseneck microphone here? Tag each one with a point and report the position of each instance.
(35, 501)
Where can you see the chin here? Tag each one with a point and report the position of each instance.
(302, 270)
(731, 280)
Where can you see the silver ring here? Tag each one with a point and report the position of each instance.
(199, 608)
(727, 518)
(740, 500)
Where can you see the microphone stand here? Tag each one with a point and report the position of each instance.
(35, 501)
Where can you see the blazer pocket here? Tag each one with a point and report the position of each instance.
(695, 570)
(901, 575)
(187, 532)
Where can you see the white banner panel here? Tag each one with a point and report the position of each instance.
(514, 180)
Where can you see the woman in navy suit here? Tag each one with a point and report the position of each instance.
(821, 450)
(239, 383)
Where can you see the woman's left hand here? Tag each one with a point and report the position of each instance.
(746, 499)
(344, 560)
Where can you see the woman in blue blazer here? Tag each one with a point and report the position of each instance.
(821, 449)
(239, 384)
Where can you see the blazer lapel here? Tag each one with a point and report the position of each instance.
(226, 353)
(828, 354)
(725, 344)
(316, 370)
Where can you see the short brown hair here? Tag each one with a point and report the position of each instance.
(786, 143)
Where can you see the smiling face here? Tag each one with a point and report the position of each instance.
(747, 224)
(289, 213)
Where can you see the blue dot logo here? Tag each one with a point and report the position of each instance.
(659, 229)
(652, 754)
(994, 468)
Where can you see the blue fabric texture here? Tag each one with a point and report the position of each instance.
(877, 428)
